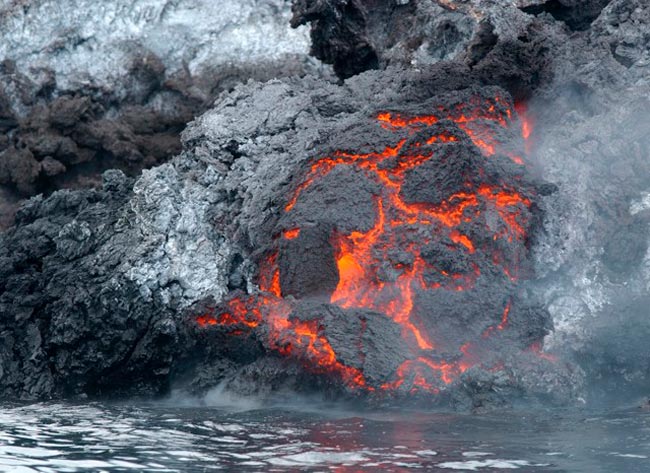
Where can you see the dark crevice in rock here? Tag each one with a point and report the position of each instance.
(577, 14)
(338, 36)
(520, 65)
(354, 35)
(484, 41)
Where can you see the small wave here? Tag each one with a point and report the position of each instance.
(474, 465)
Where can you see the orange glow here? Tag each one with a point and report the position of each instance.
(442, 139)
(421, 370)
(397, 121)
(527, 125)
(504, 318)
(291, 234)
(517, 160)
(409, 226)
(457, 237)
(269, 267)
(536, 348)
(304, 341)
(205, 320)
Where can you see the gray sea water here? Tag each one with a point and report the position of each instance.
(170, 437)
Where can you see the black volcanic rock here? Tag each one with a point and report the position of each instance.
(362, 339)
(69, 140)
(501, 45)
(307, 263)
(360, 35)
(110, 274)
(78, 330)
(98, 288)
(450, 170)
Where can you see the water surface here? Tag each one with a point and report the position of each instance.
(168, 437)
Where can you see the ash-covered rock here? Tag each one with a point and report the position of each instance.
(87, 86)
(150, 251)
(79, 316)
(98, 287)
(499, 42)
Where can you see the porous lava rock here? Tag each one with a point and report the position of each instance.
(88, 87)
(138, 281)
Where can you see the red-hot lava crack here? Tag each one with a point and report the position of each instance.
(479, 219)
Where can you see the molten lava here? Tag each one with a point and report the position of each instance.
(407, 225)
(526, 125)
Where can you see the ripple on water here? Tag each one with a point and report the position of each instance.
(57, 438)
(474, 465)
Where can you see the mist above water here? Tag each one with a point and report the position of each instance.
(314, 436)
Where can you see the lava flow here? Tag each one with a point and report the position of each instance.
(421, 234)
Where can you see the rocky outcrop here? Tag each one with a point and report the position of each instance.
(92, 87)
(102, 291)
(112, 273)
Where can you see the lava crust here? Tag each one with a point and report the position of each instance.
(423, 231)
(389, 236)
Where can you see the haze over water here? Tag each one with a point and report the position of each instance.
(249, 436)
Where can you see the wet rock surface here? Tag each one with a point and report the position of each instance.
(102, 291)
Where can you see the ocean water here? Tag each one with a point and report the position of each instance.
(301, 435)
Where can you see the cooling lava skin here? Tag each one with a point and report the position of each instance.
(397, 257)
(384, 237)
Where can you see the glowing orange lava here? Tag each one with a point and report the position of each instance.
(398, 223)
(357, 253)
(291, 234)
(526, 125)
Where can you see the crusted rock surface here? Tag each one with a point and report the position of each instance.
(87, 86)
(184, 231)
(100, 289)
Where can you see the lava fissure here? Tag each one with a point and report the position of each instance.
(479, 222)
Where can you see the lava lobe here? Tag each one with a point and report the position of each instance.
(397, 257)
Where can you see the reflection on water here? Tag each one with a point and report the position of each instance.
(49, 437)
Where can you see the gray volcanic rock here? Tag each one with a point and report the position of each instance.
(194, 34)
(145, 253)
(95, 322)
(88, 86)
(100, 290)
